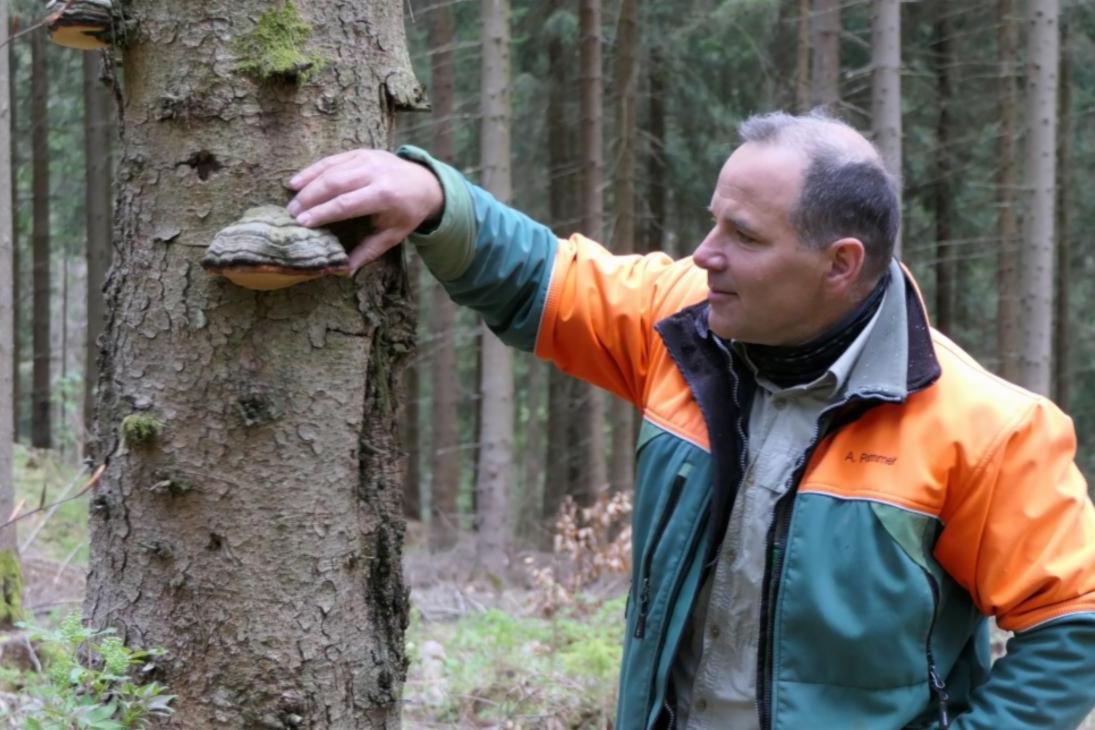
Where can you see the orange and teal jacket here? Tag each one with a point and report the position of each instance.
(914, 517)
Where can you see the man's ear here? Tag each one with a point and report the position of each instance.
(846, 259)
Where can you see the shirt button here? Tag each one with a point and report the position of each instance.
(778, 404)
(715, 631)
(701, 704)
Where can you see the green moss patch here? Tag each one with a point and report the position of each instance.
(274, 51)
(140, 430)
(11, 588)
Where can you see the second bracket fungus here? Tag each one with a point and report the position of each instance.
(82, 24)
(266, 249)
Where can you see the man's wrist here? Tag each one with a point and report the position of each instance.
(446, 242)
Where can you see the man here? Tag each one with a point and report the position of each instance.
(831, 497)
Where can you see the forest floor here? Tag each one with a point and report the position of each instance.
(484, 652)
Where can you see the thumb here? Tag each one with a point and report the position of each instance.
(373, 247)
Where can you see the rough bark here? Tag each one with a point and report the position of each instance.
(257, 533)
(625, 83)
(40, 429)
(825, 54)
(886, 87)
(1062, 317)
(942, 187)
(1007, 220)
(1036, 257)
(495, 474)
(445, 458)
(594, 476)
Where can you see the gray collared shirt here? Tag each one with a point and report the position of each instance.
(715, 675)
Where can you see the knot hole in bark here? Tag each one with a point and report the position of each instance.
(205, 163)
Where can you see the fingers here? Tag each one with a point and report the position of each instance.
(313, 171)
(355, 203)
(333, 182)
(375, 246)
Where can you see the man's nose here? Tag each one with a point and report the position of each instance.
(707, 256)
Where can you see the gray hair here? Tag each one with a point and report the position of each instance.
(846, 191)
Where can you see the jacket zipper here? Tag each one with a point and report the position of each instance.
(938, 686)
(777, 537)
(648, 557)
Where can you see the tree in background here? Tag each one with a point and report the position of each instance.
(445, 459)
(624, 236)
(1036, 258)
(41, 431)
(943, 154)
(886, 87)
(11, 583)
(1007, 183)
(825, 54)
(249, 517)
(98, 139)
(495, 472)
(592, 469)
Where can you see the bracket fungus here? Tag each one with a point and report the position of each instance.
(266, 249)
(82, 24)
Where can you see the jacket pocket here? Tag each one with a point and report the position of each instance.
(643, 575)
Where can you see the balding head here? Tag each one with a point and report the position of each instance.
(846, 191)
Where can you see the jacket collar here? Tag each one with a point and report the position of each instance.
(903, 329)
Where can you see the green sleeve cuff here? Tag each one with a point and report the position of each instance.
(448, 249)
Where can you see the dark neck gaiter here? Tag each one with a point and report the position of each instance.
(797, 364)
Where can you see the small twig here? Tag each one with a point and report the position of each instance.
(33, 656)
(51, 509)
(71, 555)
(90, 483)
(17, 509)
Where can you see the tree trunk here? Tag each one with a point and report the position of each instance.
(535, 443)
(10, 583)
(445, 460)
(656, 167)
(97, 150)
(40, 430)
(1037, 254)
(625, 82)
(1007, 221)
(412, 431)
(802, 58)
(942, 188)
(249, 520)
(495, 475)
(560, 448)
(886, 87)
(16, 254)
(594, 476)
(1061, 318)
(825, 52)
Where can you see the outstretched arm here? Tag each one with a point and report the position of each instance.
(570, 301)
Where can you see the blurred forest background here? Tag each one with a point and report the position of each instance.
(609, 117)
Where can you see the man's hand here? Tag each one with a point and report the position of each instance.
(396, 194)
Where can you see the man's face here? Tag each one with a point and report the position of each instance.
(765, 287)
